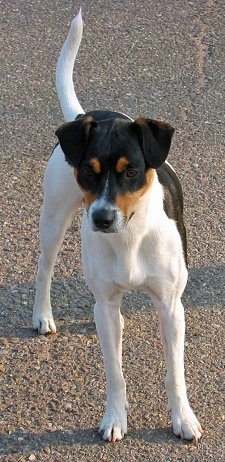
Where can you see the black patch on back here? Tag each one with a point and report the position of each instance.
(173, 200)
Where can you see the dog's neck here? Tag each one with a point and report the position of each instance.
(146, 217)
(149, 207)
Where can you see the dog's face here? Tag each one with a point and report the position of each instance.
(113, 162)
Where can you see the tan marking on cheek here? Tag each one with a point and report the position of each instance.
(149, 179)
(127, 203)
(89, 198)
(122, 163)
(95, 165)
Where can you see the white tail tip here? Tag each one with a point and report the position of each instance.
(64, 70)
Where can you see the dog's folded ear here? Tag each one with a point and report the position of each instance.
(73, 138)
(155, 139)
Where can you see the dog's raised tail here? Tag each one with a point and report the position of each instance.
(64, 71)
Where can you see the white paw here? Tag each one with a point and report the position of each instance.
(186, 425)
(44, 323)
(114, 423)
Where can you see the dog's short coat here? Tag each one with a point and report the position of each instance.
(132, 234)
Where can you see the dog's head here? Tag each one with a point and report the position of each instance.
(114, 162)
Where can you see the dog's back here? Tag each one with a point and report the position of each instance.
(173, 200)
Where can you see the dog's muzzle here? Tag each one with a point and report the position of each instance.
(104, 219)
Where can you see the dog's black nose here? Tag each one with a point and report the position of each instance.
(103, 218)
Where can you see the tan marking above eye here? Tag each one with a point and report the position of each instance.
(128, 201)
(122, 163)
(95, 165)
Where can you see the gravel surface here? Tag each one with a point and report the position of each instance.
(163, 59)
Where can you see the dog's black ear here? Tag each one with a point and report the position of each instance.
(155, 139)
(73, 138)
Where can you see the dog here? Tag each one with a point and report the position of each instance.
(133, 234)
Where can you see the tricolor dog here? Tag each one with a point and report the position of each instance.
(133, 235)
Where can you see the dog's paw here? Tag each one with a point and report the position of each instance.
(186, 425)
(44, 323)
(114, 423)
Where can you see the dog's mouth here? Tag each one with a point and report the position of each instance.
(131, 215)
(105, 231)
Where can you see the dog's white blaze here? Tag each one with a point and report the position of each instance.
(101, 201)
(105, 193)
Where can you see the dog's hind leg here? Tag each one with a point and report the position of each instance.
(172, 325)
(109, 324)
(61, 200)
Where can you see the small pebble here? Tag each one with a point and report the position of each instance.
(32, 457)
(68, 407)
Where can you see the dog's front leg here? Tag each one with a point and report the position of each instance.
(109, 324)
(172, 324)
(62, 198)
(52, 230)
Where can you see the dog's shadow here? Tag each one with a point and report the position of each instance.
(73, 303)
(29, 441)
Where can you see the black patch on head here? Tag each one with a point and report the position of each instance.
(173, 201)
(108, 136)
(109, 141)
(74, 136)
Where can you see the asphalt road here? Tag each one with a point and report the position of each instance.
(162, 59)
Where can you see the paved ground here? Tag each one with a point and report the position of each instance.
(163, 59)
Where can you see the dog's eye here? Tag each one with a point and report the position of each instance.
(131, 173)
(87, 171)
